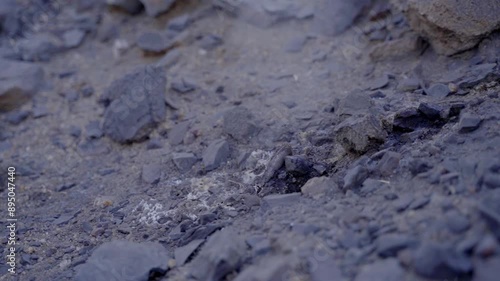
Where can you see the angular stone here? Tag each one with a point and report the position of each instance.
(379, 83)
(222, 253)
(385, 270)
(468, 123)
(452, 26)
(154, 42)
(456, 222)
(183, 85)
(216, 154)
(438, 91)
(20, 81)
(179, 23)
(177, 133)
(123, 261)
(355, 177)
(135, 105)
(73, 38)
(156, 7)
(298, 165)
(360, 134)
(93, 130)
(38, 47)
(318, 187)
(151, 173)
(389, 163)
(295, 45)
(182, 254)
(184, 161)
(238, 123)
(431, 111)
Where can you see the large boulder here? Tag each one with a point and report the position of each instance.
(453, 26)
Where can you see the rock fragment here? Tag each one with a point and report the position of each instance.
(269, 269)
(154, 42)
(182, 254)
(156, 7)
(124, 261)
(318, 187)
(184, 161)
(73, 38)
(135, 105)
(360, 134)
(151, 173)
(20, 82)
(468, 123)
(216, 154)
(239, 124)
(389, 245)
(222, 253)
(276, 200)
(131, 6)
(452, 26)
(436, 261)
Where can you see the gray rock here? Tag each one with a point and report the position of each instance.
(380, 83)
(295, 45)
(438, 91)
(468, 123)
(154, 42)
(177, 133)
(389, 245)
(93, 147)
(38, 47)
(386, 270)
(389, 163)
(276, 200)
(298, 165)
(136, 104)
(9, 23)
(333, 17)
(318, 187)
(151, 173)
(131, 6)
(184, 161)
(182, 254)
(239, 124)
(93, 130)
(73, 38)
(156, 7)
(419, 203)
(431, 111)
(403, 203)
(451, 26)
(16, 117)
(437, 261)
(169, 59)
(20, 82)
(356, 103)
(179, 23)
(487, 247)
(209, 42)
(222, 253)
(268, 269)
(39, 109)
(123, 261)
(215, 154)
(486, 270)
(456, 222)
(409, 84)
(360, 134)
(355, 177)
(183, 85)
(154, 143)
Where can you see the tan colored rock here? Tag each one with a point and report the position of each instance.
(453, 26)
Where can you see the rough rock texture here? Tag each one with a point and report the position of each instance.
(135, 105)
(123, 261)
(19, 81)
(360, 134)
(453, 26)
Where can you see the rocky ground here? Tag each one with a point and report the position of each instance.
(251, 140)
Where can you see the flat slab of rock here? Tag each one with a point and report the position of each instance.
(184, 161)
(135, 105)
(239, 124)
(123, 261)
(215, 154)
(19, 82)
(183, 253)
(151, 173)
(453, 26)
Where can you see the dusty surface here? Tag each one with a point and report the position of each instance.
(282, 154)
